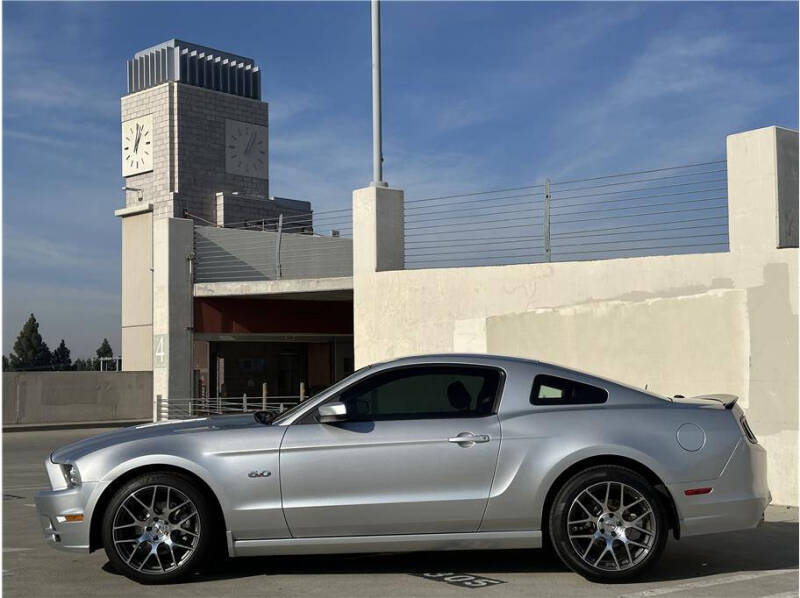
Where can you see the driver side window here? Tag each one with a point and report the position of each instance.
(424, 392)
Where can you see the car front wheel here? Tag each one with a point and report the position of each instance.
(157, 528)
(608, 523)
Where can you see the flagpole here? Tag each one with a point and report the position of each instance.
(377, 149)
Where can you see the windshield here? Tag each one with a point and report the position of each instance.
(331, 389)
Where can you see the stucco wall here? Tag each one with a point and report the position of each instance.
(60, 397)
(688, 324)
(137, 291)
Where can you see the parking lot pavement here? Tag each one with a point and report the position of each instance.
(749, 564)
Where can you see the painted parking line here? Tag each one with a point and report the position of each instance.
(790, 594)
(707, 583)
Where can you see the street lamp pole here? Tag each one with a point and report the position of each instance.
(377, 150)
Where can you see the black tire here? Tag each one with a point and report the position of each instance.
(606, 532)
(179, 547)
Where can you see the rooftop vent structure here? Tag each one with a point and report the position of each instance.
(176, 60)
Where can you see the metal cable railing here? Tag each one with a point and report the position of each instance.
(677, 209)
(317, 245)
(177, 408)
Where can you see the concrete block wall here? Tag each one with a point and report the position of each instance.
(201, 115)
(189, 148)
(158, 183)
(688, 324)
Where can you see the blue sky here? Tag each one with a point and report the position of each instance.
(477, 95)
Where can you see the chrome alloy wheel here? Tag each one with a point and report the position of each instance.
(611, 526)
(156, 529)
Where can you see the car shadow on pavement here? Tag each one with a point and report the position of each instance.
(774, 545)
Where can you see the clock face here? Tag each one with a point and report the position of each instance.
(246, 149)
(137, 145)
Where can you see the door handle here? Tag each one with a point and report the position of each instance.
(468, 438)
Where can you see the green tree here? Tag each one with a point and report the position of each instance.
(30, 351)
(6, 365)
(80, 365)
(104, 350)
(61, 358)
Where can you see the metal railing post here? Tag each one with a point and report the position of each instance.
(163, 408)
(547, 251)
(244, 403)
(302, 391)
(278, 248)
(264, 396)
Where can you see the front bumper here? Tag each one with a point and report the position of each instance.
(738, 498)
(54, 505)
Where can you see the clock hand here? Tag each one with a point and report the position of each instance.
(250, 143)
(138, 137)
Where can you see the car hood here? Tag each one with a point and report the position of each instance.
(212, 424)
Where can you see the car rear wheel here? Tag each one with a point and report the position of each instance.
(157, 528)
(608, 523)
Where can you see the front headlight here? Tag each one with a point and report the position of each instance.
(71, 474)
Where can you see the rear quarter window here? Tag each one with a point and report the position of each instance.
(554, 390)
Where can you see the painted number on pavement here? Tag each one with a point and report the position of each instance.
(464, 580)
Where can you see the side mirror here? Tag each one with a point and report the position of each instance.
(332, 412)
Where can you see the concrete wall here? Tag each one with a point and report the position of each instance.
(172, 309)
(60, 397)
(688, 324)
(137, 288)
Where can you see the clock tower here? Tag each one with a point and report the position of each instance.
(193, 126)
(194, 144)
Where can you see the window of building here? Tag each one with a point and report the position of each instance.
(552, 390)
(424, 392)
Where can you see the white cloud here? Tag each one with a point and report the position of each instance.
(40, 88)
(675, 104)
(286, 104)
(34, 252)
(50, 140)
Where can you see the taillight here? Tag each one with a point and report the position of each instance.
(747, 431)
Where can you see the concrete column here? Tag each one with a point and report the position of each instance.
(762, 190)
(172, 310)
(378, 235)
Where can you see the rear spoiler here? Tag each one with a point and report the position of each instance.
(727, 400)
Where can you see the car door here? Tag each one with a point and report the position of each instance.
(416, 454)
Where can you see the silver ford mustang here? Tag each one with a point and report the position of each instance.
(441, 452)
